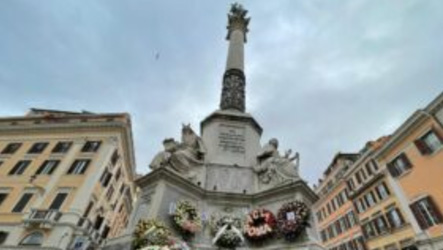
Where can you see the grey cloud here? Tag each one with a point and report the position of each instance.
(323, 76)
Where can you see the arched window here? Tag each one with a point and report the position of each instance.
(33, 239)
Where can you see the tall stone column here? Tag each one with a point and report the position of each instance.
(234, 81)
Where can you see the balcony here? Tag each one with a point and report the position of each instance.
(85, 224)
(42, 218)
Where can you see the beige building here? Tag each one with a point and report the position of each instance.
(66, 179)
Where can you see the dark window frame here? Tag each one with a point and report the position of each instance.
(38, 148)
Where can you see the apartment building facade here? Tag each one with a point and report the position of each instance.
(66, 179)
(395, 188)
(334, 213)
(413, 158)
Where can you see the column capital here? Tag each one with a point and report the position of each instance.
(237, 20)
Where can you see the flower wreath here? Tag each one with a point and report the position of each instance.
(154, 235)
(260, 224)
(186, 218)
(151, 233)
(292, 219)
(226, 230)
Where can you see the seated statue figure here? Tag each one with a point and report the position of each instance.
(181, 157)
(273, 168)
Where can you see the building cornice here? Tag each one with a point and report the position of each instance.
(124, 127)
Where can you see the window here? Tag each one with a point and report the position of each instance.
(368, 230)
(426, 213)
(115, 157)
(395, 218)
(399, 165)
(79, 167)
(110, 193)
(369, 197)
(382, 191)
(3, 197)
(357, 175)
(363, 174)
(11, 148)
(38, 147)
(351, 218)
(21, 204)
(91, 146)
(374, 165)
(58, 201)
(106, 178)
(47, 167)
(122, 189)
(62, 147)
(368, 168)
(380, 224)
(33, 239)
(105, 232)
(429, 143)
(351, 184)
(98, 222)
(118, 174)
(19, 168)
(88, 209)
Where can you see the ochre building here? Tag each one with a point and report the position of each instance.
(394, 185)
(65, 179)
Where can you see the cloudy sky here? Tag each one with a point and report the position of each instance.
(322, 76)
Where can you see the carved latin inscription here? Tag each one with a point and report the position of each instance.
(231, 139)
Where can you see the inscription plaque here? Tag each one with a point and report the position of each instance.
(231, 139)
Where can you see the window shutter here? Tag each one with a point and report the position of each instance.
(418, 216)
(392, 170)
(435, 209)
(406, 160)
(422, 147)
(438, 134)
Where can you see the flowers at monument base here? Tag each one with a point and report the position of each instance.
(260, 224)
(226, 231)
(186, 218)
(151, 232)
(292, 219)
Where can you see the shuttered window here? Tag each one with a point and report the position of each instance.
(426, 213)
(429, 143)
(399, 165)
(395, 218)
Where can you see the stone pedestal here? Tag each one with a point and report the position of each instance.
(162, 187)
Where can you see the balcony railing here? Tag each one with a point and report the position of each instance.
(45, 218)
(87, 226)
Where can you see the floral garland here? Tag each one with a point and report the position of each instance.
(186, 218)
(226, 231)
(292, 219)
(151, 233)
(260, 224)
(154, 235)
